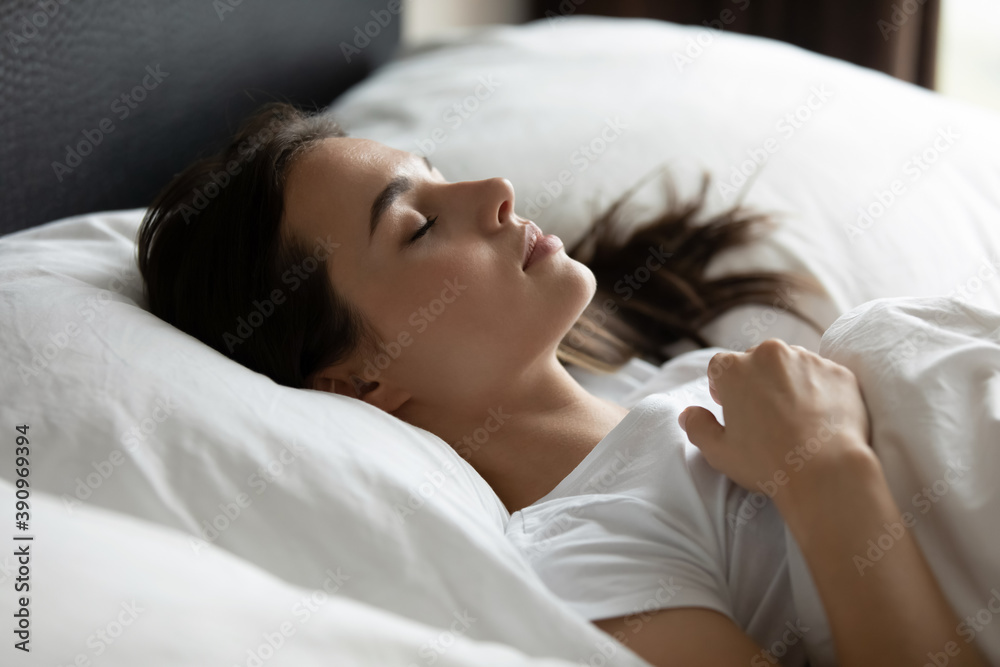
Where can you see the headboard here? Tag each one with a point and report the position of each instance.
(102, 101)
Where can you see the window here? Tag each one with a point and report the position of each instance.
(968, 61)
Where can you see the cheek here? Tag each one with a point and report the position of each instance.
(466, 288)
(453, 304)
(428, 311)
(458, 316)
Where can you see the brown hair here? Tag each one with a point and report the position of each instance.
(679, 299)
(218, 265)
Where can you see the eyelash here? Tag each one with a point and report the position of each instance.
(423, 230)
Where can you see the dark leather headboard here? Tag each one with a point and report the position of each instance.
(72, 73)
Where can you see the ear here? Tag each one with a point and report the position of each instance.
(343, 380)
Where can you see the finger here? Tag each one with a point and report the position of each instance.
(702, 428)
(713, 392)
(717, 366)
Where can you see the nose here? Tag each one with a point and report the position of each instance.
(504, 201)
(505, 211)
(488, 204)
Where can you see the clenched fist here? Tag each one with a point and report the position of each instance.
(788, 411)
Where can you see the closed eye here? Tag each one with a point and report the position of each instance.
(423, 230)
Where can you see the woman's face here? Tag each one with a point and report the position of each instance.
(459, 316)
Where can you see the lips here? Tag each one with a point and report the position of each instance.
(531, 235)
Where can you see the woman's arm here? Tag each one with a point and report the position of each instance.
(778, 399)
(688, 637)
(892, 612)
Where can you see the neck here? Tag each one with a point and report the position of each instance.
(527, 438)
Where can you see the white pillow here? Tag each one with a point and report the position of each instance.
(128, 413)
(524, 102)
(120, 592)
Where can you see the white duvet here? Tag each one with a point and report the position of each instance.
(929, 370)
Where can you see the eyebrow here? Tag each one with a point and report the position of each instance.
(385, 199)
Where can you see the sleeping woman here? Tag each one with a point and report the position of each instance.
(470, 309)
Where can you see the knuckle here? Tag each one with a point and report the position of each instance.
(772, 347)
(719, 362)
(836, 369)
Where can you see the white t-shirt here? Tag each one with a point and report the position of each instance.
(644, 523)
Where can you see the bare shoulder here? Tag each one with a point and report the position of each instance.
(688, 636)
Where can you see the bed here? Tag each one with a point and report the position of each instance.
(185, 510)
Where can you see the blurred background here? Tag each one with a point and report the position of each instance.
(950, 46)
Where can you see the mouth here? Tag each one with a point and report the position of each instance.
(531, 235)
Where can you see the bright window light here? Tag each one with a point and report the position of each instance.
(968, 63)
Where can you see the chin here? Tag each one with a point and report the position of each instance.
(589, 279)
(578, 290)
(567, 293)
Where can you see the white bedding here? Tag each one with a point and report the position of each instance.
(126, 413)
(929, 369)
(187, 436)
(108, 589)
